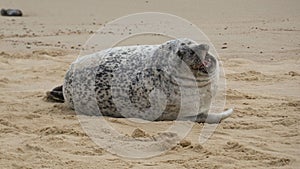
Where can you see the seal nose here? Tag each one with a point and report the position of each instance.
(200, 50)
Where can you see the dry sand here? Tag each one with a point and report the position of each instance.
(259, 45)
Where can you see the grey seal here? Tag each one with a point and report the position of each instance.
(151, 82)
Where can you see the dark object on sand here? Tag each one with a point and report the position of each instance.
(11, 12)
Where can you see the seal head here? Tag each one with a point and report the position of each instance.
(197, 58)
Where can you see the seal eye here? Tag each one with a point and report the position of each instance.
(186, 53)
(192, 52)
(180, 54)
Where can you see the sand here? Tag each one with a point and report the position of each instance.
(259, 46)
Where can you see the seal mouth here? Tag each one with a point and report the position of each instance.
(206, 66)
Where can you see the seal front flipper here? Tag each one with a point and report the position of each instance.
(56, 95)
(218, 117)
(210, 118)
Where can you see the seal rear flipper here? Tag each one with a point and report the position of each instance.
(58, 88)
(56, 95)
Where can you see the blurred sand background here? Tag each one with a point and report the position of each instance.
(258, 42)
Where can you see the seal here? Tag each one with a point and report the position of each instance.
(176, 80)
(11, 12)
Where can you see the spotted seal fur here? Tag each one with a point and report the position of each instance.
(145, 81)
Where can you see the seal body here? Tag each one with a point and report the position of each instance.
(173, 80)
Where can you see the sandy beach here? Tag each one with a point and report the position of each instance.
(259, 46)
